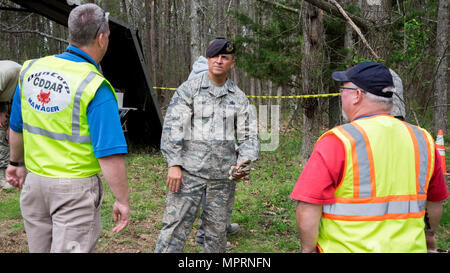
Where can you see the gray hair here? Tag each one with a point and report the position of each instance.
(85, 23)
(387, 103)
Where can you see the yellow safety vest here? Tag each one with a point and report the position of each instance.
(381, 200)
(55, 94)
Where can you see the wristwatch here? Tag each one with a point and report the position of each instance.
(16, 164)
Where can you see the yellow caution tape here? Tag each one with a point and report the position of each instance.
(166, 88)
(274, 97)
(296, 97)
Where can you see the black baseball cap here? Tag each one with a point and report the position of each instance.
(369, 76)
(220, 46)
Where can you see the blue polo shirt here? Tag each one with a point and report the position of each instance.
(102, 114)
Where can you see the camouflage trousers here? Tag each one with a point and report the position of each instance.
(182, 209)
(4, 161)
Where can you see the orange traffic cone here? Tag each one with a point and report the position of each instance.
(441, 149)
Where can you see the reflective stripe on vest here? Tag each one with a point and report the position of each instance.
(365, 206)
(75, 137)
(376, 209)
(363, 160)
(56, 136)
(423, 157)
(25, 71)
(76, 104)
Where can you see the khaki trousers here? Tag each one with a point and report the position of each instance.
(61, 214)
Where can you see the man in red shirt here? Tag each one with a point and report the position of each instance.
(325, 170)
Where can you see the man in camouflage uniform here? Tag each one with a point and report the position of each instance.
(9, 73)
(205, 117)
(4, 158)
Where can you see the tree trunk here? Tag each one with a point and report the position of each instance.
(106, 5)
(219, 22)
(312, 24)
(236, 31)
(378, 11)
(252, 88)
(154, 38)
(279, 93)
(125, 10)
(334, 108)
(196, 37)
(441, 84)
(146, 37)
(259, 91)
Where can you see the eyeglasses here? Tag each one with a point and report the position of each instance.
(342, 88)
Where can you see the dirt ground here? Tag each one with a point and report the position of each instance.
(139, 237)
(12, 241)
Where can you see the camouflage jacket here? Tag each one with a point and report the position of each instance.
(4, 149)
(202, 124)
(399, 104)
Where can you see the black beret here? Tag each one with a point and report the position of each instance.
(220, 46)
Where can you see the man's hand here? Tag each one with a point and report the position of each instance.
(239, 175)
(240, 170)
(115, 173)
(174, 178)
(434, 212)
(16, 175)
(120, 212)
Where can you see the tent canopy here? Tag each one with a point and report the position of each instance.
(124, 67)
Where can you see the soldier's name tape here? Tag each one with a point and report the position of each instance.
(274, 97)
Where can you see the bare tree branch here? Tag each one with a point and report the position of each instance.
(361, 22)
(336, 11)
(281, 6)
(323, 5)
(356, 28)
(17, 24)
(35, 32)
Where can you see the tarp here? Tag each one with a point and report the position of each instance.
(124, 67)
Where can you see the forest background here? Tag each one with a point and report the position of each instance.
(284, 48)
